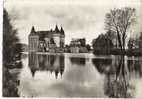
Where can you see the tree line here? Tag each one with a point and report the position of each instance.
(12, 49)
(118, 23)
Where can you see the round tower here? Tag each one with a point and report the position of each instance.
(33, 41)
(62, 38)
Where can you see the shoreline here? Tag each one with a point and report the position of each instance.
(94, 53)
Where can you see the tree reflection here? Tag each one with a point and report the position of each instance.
(78, 61)
(117, 84)
(102, 65)
(135, 67)
(118, 74)
(52, 63)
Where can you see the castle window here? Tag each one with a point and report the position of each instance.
(52, 41)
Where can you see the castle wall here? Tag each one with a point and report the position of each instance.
(57, 39)
(33, 43)
(62, 41)
(47, 40)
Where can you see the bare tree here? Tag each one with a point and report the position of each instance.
(119, 21)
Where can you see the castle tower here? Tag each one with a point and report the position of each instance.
(57, 29)
(33, 41)
(62, 37)
(56, 36)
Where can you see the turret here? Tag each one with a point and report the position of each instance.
(33, 41)
(56, 29)
(62, 37)
(62, 31)
(33, 30)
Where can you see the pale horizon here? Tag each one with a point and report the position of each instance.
(79, 19)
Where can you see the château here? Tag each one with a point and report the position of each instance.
(44, 41)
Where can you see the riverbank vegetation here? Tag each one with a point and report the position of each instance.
(11, 57)
(118, 23)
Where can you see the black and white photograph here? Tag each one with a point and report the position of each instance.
(72, 49)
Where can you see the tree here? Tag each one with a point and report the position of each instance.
(11, 54)
(110, 35)
(131, 43)
(10, 40)
(82, 42)
(139, 40)
(88, 47)
(102, 43)
(135, 43)
(119, 21)
(140, 36)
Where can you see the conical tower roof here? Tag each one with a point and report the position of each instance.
(33, 30)
(57, 29)
(62, 31)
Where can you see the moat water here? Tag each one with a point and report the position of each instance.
(80, 75)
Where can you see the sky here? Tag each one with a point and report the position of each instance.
(79, 18)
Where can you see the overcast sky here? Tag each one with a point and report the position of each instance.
(79, 18)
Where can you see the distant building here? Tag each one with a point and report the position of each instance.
(46, 40)
(74, 45)
(78, 45)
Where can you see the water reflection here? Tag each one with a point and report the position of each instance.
(52, 63)
(102, 65)
(118, 72)
(67, 75)
(78, 61)
(33, 62)
(135, 67)
(118, 83)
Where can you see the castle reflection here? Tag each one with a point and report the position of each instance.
(72, 75)
(52, 63)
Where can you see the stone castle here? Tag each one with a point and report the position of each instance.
(44, 41)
